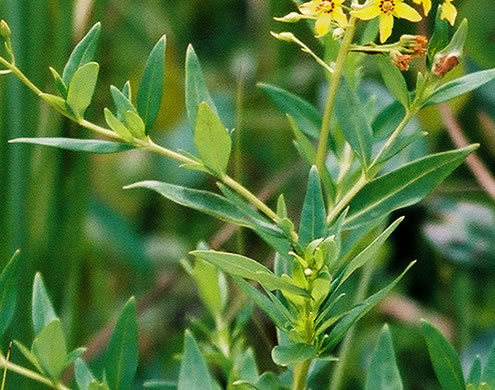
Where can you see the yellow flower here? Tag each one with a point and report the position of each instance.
(449, 12)
(386, 10)
(325, 12)
(426, 5)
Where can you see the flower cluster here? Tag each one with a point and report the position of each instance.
(332, 14)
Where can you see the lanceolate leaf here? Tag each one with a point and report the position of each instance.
(84, 376)
(444, 358)
(357, 312)
(403, 187)
(42, 309)
(313, 216)
(196, 89)
(439, 39)
(77, 145)
(8, 291)
(354, 123)
(383, 373)
(247, 268)
(117, 126)
(82, 53)
(81, 88)
(489, 368)
(212, 140)
(475, 372)
(306, 116)
(367, 254)
(193, 372)
(50, 349)
(151, 88)
(121, 357)
(394, 80)
(460, 86)
(204, 201)
(121, 101)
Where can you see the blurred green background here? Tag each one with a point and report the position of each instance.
(97, 244)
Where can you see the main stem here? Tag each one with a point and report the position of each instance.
(321, 152)
(301, 371)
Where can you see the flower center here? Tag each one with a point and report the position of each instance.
(387, 6)
(326, 6)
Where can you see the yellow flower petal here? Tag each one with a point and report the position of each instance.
(449, 12)
(402, 10)
(309, 8)
(366, 12)
(386, 25)
(426, 5)
(339, 16)
(322, 25)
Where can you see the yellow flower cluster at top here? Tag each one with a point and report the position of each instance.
(332, 13)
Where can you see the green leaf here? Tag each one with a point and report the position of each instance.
(117, 126)
(82, 88)
(354, 123)
(248, 370)
(151, 88)
(204, 201)
(57, 103)
(307, 117)
(42, 309)
(439, 39)
(196, 89)
(122, 102)
(367, 254)
(82, 53)
(8, 291)
(383, 373)
(313, 215)
(212, 140)
(28, 355)
(208, 281)
(303, 145)
(489, 368)
(193, 372)
(358, 311)
(247, 268)
(84, 376)
(77, 145)
(474, 376)
(444, 358)
(127, 90)
(394, 80)
(74, 355)
(387, 121)
(459, 87)
(403, 187)
(264, 303)
(135, 124)
(59, 82)
(121, 357)
(401, 144)
(50, 349)
(289, 355)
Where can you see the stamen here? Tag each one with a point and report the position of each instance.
(387, 6)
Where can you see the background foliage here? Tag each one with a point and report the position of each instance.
(96, 245)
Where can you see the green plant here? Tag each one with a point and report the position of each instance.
(343, 222)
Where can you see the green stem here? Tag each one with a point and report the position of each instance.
(391, 140)
(332, 94)
(301, 371)
(30, 374)
(21, 76)
(248, 195)
(342, 204)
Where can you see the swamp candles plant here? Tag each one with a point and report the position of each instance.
(345, 209)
